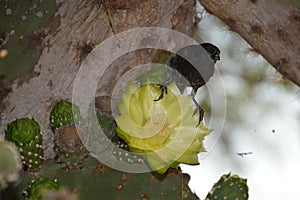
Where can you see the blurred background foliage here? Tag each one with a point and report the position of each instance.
(260, 138)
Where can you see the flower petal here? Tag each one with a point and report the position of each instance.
(164, 130)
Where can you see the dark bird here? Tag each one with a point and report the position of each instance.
(197, 64)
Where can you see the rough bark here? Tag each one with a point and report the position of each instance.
(271, 28)
(81, 25)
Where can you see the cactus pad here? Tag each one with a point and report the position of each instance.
(229, 187)
(26, 135)
(10, 164)
(64, 113)
(22, 31)
(96, 181)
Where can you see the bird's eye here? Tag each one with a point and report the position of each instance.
(217, 56)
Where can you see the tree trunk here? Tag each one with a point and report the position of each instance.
(271, 28)
(80, 25)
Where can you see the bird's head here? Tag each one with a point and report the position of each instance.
(212, 50)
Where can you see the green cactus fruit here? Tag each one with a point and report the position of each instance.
(100, 131)
(40, 188)
(10, 163)
(64, 113)
(70, 152)
(229, 187)
(122, 153)
(120, 149)
(100, 142)
(26, 135)
(107, 124)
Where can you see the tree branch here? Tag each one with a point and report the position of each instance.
(271, 28)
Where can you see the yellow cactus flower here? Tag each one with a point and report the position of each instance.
(164, 131)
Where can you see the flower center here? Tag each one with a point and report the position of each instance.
(156, 122)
